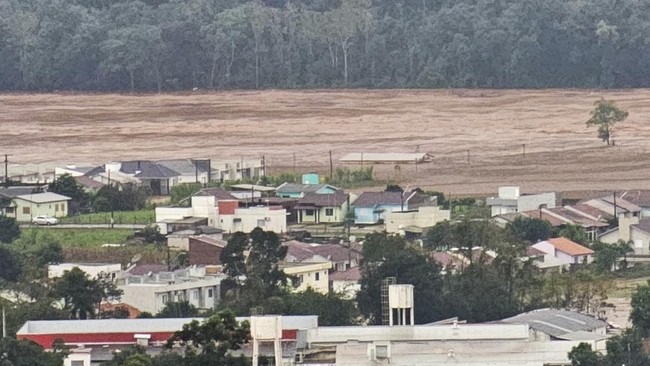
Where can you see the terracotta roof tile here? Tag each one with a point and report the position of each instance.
(569, 247)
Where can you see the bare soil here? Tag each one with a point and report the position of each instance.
(561, 153)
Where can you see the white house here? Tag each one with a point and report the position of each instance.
(309, 275)
(511, 200)
(28, 206)
(561, 253)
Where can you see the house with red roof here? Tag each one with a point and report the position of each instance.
(561, 254)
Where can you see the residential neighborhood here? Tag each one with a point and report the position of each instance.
(318, 240)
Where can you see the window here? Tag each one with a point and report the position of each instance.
(26, 211)
(63, 207)
(317, 276)
(10, 210)
(56, 207)
(260, 223)
(164, 299)
(210, 293)
(309, 212)
(195, 294)
(381, 351)
(76, 363)
(329, 212)
(180, 297)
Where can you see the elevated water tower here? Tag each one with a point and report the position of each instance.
(400, 303)
(266, 328)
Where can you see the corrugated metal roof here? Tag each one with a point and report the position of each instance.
(557, 322)
(372, 199)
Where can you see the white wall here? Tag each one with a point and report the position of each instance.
(425, 216)
(206, 206)
(57, 270)
(641, 241)
(247, 219)
(149, 296)
(533, 201)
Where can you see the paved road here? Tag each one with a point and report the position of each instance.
(86, 226)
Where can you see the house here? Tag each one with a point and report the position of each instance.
(189, 170)
(562, 253)
(89, 185)
(640, 198)
(314, 208)
(28, 206)
(294, 190)
(8, 194)
(510, 200)
(372, 207)
(346, 282)
(636, 232)
(308, 275)
(204, 250)
(180, 240)
(151, 293)
(225, 170)
(216, 208)
(29, 173)
(342, 257)
(420, 218)
(93, 270)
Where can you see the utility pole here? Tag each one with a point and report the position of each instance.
(331, 166)
(523, 154)
(468, 157)
(294, 162)
(4, 323)
(6, 173)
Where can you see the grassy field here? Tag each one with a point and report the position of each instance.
(121, 217)
(75, 238)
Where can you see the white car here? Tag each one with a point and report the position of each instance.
(45, 220)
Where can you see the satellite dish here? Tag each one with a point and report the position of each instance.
(136, 258)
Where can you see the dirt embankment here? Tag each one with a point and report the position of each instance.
(491, 126)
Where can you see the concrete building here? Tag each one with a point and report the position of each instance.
(423, 217)
(94, 270)
(346, 282)
(511, 200)
(204, 250)
(225, 170)
(26, 207)
(309, 275)
(152, 292)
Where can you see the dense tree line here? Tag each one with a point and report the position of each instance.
(167, 45)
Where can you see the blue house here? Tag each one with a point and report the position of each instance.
(371, 207)
(293, 190)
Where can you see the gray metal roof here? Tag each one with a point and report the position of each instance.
(12, 192)
(557, 322)
(301, 188)
(372, 199)
(43, 197)
(185, 166)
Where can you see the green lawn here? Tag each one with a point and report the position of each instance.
(121, 217)
(74, 238)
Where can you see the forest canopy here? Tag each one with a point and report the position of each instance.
(167, 45)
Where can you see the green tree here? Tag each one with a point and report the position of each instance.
(27, 353)
(10, 267)
(9, 229)
(531, 229)
(604, 117)
(583, 355)
(232, 257)
(408, 266)
(82, 295)
(266, 251)
(640, 314)
(574, 233)
(180, 309)
(67, 186)
(332, 309)
(627, 349)
(212, 339)
(183, 192)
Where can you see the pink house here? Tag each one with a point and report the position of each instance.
(561, 253)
